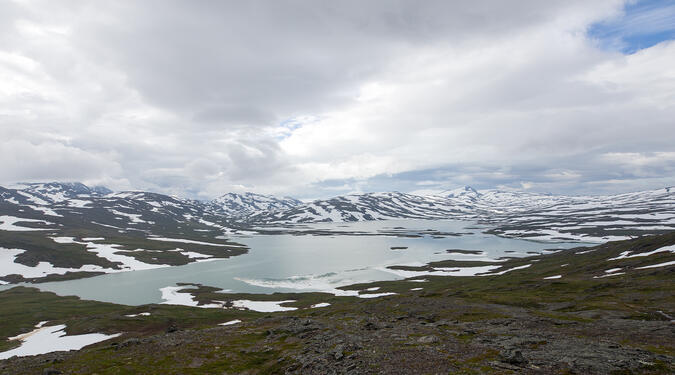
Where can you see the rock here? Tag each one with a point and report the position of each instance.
(428, 339)
(505, 366)
(51, 371)
(514, 358)
(371, 326)
(298, 326)
(338, 353)
(196, 363)
(130, 342)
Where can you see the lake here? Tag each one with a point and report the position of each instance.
(303, 263)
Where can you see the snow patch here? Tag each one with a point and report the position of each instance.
(135, 218)
(609, 274)
(171, 296)
(191, 241)
(193, 254)
(509, 270)
(666, 264)
(139, 314)
(627, 254)
(8, 223)
(45, 210)
(263, 306)
(50, 339)
(375, 295)
(78, 203)
(231, 322)
(128, 263)
(64, 239)
(8, 266)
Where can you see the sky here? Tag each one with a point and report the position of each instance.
(315, 99)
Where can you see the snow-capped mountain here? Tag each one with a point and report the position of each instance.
(65, 199)
(467, 193)
(246, 204)
(606, 217)
(462, 203)
(369, 206)
(56, 230)
(50, 193)
(654, 209)
(509, 213)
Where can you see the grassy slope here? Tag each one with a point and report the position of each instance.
(21, 308)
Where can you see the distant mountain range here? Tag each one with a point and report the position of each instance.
(654, 207)
(465, 203)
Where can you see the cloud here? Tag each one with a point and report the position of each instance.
(52, 160)
(640, 24)
(317, 98)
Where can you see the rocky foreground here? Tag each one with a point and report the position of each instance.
(561, 315)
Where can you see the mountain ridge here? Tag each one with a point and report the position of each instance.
(512, 213)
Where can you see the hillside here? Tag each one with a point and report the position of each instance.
(59, 231)
(601, 310)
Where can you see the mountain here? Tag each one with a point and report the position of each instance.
(465, 193)
(464, 203)
(369, 206)
(54, 231)
(583, 218)
(233, 204)
(499, 201)
(57, 191)
(44, 194)
(64, 199)
(510, 213)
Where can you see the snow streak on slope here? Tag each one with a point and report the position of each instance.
(589, 218)
(370, 206)
(233, 204)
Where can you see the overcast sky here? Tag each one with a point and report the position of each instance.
(320, 98)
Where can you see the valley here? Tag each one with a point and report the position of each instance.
(558, 315)
(470, 281)
(58, 231)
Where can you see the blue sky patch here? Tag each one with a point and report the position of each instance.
(641, 25)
